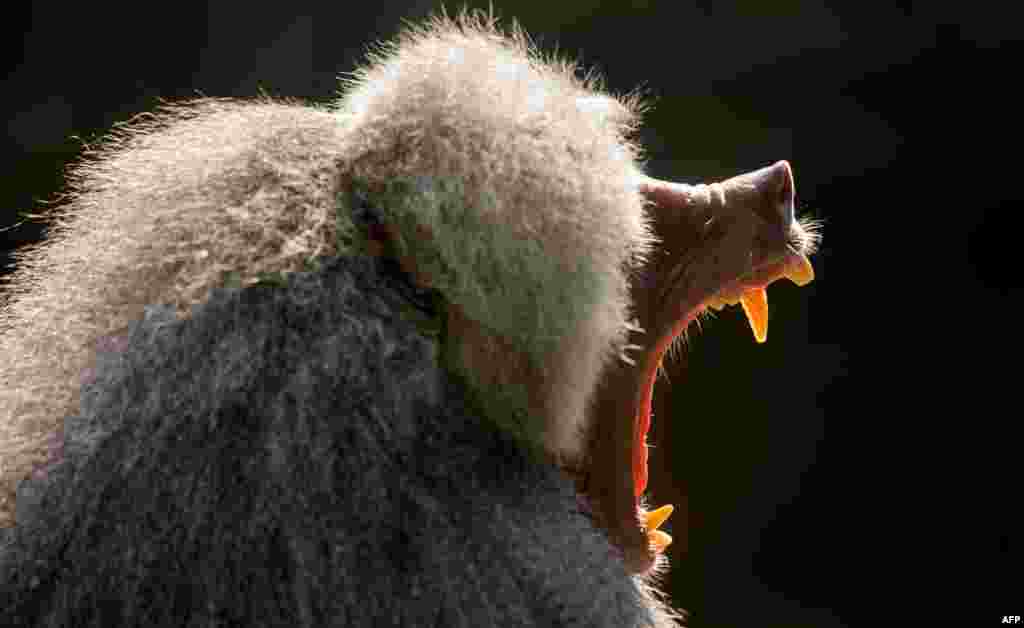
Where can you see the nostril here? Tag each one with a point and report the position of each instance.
(787, 195)
(775, 194)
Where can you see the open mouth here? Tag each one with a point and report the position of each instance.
(720, 244)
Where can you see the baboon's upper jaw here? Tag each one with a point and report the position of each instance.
(719, 244)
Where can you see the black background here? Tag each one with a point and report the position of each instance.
(861, 464)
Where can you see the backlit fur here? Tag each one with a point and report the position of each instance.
(172, 202)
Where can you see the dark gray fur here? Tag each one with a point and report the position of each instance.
(294, 456)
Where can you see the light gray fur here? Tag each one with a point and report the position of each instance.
(171, 203)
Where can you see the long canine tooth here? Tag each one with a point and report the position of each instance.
(658, 541)
(755, 306)
(655, 518)
(800, 271)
